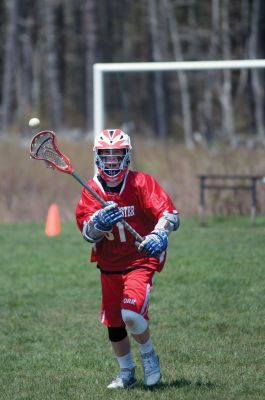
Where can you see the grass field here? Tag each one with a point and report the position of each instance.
(207, 316)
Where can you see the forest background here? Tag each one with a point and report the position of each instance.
(192, 122)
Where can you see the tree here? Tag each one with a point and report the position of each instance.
(226, 90)
(48, 48)
(9, 63)
(159, 98)
(206, 111)
(24, 69)
(51, 70)
(257, 83)
(90, 56)
(182, 76)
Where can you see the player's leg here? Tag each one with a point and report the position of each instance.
(138, 285)
(111, 317)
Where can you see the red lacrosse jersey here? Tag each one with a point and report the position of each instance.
(143, 202)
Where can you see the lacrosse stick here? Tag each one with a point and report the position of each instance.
(44, 147)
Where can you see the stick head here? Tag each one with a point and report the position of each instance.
(44, 147)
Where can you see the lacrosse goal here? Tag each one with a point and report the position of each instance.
(100, 69)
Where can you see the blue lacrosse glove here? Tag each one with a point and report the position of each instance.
(154, 243)
(108, 216)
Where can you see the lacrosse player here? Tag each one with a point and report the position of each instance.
(126, 266)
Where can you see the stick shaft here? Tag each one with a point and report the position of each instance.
(88, 188)
(104, 203)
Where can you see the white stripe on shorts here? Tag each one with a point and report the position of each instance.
(146, 301)
(103, 317)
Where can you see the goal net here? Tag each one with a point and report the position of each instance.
(198, 99)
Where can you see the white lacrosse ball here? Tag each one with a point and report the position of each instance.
(34, 122)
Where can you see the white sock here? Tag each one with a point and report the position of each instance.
(126, 361)
(147, 347)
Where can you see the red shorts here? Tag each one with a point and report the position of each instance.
(129, 291)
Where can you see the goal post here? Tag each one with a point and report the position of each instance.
(100, 69)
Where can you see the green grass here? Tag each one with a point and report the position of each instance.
(207, 316)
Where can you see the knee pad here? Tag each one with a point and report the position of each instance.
(117, 334)
(135, 322)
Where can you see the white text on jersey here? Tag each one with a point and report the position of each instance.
(127, 211)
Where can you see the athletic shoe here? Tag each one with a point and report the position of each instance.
(125, 380)
(152, 374)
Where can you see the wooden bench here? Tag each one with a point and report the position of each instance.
(232, 182)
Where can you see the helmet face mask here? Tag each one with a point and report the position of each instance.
(112, 154)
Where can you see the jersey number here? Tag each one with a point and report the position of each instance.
(121, 229)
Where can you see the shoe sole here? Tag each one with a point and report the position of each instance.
(131, 386)
(125, 387)
(154, 384)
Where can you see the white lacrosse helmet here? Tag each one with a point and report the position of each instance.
(114, 162)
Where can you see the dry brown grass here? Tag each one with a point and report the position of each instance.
(177, 168)
(27, 188)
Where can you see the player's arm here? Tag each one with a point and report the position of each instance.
(101, 222)
(169, 222)
(157, 241)
(158, 204)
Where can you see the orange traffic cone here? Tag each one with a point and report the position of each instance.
(53, 224)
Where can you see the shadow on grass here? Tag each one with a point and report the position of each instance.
(179, 383)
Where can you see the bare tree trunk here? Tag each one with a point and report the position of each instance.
(226, 91)
(24, 74)
(51, 69)
(256, 82)
(90, 57)
(36, 77)
(182, 76)
(160, 113)
(73, 76)
(193, 27)
(9, 64)
(207, 122)
(243, 74)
